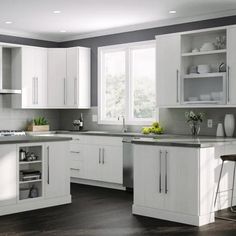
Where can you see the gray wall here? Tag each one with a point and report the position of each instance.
(27, 41)
(135, 36)
(172, 119)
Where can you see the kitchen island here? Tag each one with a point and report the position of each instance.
(34, 173)
(175, 178)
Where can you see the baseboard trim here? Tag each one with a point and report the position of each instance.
(173, 216)
(34, 204)
(97, 183)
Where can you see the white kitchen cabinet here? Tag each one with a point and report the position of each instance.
(231, 62)
(56, 170)
(69, 77)
(33, 78)
(168, 70)
(104, 163)
(57, 91)
(112, 164)
(165, 185)
(8, 175)
(174, 183)
(93, 162)
(96, 158)
(78, 77)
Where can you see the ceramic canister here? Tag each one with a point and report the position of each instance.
(229, 124)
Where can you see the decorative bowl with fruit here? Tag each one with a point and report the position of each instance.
(154, 129)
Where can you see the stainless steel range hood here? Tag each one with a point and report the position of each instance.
(10, 91)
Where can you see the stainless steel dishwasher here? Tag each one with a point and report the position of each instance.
(127, 163)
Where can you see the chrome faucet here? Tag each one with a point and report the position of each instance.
(124, 129)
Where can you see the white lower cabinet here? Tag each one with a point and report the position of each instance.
(7, 175)
(174, 183)
(57, 170)
(33, 184)
(160, 178)
(96, 158)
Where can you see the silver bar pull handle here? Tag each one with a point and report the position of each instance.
(37, 90)
(75, 91)
(103, 160)
(166, 174)
(74, 152)
(33, 90)
(99, 156)
(64, 91)
(177, 86)
(160, 189)
(48, 179)
(228, 81)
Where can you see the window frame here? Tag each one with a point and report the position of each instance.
(128, 47)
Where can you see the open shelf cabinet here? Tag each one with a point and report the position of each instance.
(30, 172)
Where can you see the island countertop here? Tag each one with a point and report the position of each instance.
(185, 141)
(31, 139)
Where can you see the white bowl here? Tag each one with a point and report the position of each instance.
(208, 47)
(205, 97)
(202, 69)
(193, 99)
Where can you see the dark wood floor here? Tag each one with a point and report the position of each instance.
(101, 212)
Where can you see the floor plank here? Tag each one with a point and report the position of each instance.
(101, 212)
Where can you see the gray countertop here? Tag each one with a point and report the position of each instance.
(188, 141)
(160, 140)
(31, 139)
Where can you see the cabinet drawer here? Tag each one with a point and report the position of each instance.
(76, 173)
(103, 140)
(76, 156)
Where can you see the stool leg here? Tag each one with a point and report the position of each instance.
(218, 186)
(232, 197)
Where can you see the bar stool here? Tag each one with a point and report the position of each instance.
(231, 157)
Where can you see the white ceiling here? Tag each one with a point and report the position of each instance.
(84, 18)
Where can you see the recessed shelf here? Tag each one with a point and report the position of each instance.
(190, 54)
(29, 162)
(206, 75)
(31, 181)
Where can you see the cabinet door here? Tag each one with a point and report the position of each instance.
(7, 174)
(28, 77)
(40, 55)
(231, 62)
(72, 79)
(181, 179)
(93, 162)
(57, 171)
(168, 70)
(148, 178)
(57, 94)
(112, 164)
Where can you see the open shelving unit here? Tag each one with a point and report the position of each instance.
(195, 85)
(31, 173)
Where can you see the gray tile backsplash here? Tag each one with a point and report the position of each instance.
(18, 118)
(173, 120)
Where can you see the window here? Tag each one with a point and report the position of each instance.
(127, 83)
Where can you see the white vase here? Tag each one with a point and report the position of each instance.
(220, 130)
(229, 125)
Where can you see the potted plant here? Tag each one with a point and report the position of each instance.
(194, 120)
(39, 124)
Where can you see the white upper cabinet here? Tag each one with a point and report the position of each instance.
(231, 69)
(33, 78)
(57, 78)
(168, 70)
(78, 77)
(69, 77)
